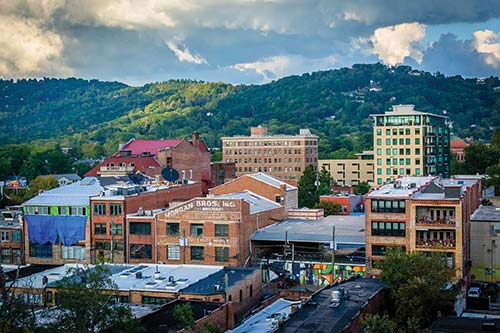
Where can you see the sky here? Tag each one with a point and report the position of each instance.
(243, 41)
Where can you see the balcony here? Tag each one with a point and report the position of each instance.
(441, 222)
(438, 244)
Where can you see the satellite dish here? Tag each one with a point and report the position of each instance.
(170, 174)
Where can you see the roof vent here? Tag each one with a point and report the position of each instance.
(138, 275)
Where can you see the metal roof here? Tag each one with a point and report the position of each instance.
(257, 203)
(76, 194)
(265, 178)
(486, 214)
(207, 285)
(348, 230)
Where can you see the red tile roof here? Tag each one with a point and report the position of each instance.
(137, 147)
(142, 164)
(457, 144)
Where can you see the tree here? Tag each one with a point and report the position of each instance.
(378, 324)
(414, 282)
(39, 184)
(210, 328)
(330, 208)
(364, 187)
(493, 178)
(85, 305)
(308, 190)
(495, 137)
(184, 315)
(325, 181)
(15, 315)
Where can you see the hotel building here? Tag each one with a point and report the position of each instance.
(281, 156)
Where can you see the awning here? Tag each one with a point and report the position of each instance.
(44, 229)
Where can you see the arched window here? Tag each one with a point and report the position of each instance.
(230, 298)
(241, 295)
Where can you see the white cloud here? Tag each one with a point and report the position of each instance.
(185, 54)
(393, 44)
(275, 67)
(488, 43)
(28, 49)
(351, 16)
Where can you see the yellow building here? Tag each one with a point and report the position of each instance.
(281, 156)
(350, 172)
(410, 143)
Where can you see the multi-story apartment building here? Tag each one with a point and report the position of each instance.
(410, 143)
(426, 214)
(208, 231)
(351, 172)
(11, 237)
(281, 156)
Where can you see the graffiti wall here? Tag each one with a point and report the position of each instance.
(323, 275)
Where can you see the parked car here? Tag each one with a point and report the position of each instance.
(474, 292)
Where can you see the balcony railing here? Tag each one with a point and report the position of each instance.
(116, 168)
(436, 244)
(441, 221)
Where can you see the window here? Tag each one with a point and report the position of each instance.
(379, 161)
(140, 228)
(155, 300)
(241, 295)
(140, 251)
(77, 211)
(99, 229)
(277, 198)
(222, 254)
(115, 209)
(41, 251)
(37, 210)
(4, 236)
(417, 151)
(408, 161)
(379, 142)
(116, 229)
(379, 171)
(396, 229)
(62, 210)
(417, 141)
(388, 142)
(251, 290)
(388, 206)
(394, 141)
(197, 253)
(16, 236)
(5, 255)
(102, 245)
(100, 209)
(379, 131)
(73, 252)
(50, 296)
(417, 130)
(407, 141)
(387, 132)
(172, 229)
(173, 252)
(379, 181)
(221, 230)
(118, 246)
(196, 229)
(16, 256)
(401, 141)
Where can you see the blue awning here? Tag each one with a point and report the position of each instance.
(44, 229)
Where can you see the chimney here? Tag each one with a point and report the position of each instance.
(45, 279)
(283, 193)
(195, 137)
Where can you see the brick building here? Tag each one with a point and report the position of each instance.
(263, 185)
(109, 230)
(206, 231)
(348, 203)
(281, 156)
(190, 158)
(407, 142)
(222, 172)
(350, 172)
(457, 147)
(425, 214)
(11, 237)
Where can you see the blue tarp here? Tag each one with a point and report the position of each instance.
(44, 229)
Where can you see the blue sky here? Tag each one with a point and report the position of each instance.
(243, 41)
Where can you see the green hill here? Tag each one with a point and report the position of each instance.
(335, 104)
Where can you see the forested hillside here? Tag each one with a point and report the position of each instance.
(335, 104)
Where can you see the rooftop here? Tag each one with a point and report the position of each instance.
(76, 194)
(137, 147)
(348, 230)
(257, 203)
(405, 110)
(216, 281)
(405, 187)
(486, 214)
(11, 219)
(360, 291)
(265, 178)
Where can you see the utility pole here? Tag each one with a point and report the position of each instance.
(111, 229)
(284, 250)
(183, 245)
(333, 253)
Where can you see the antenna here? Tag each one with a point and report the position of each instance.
(170, 174)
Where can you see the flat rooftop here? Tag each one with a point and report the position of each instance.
(348, 230)
(486, 214)
(407, 186)
(11, 219)
(318, 316)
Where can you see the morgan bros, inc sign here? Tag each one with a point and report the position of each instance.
(204, 205)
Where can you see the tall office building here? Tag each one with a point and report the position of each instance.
(281, 156)
(410, 143)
